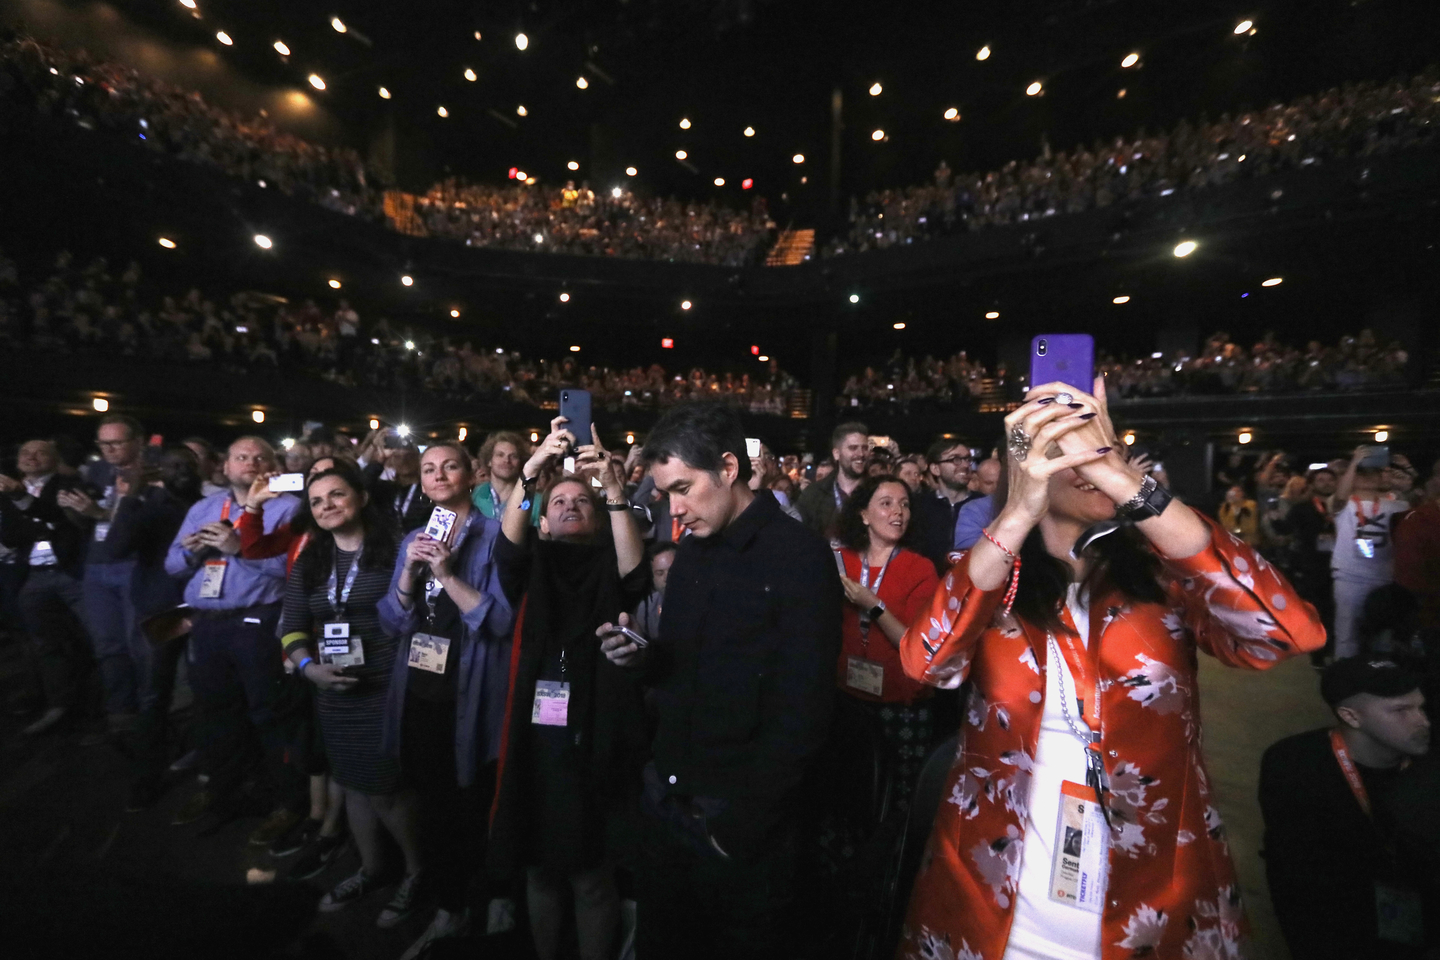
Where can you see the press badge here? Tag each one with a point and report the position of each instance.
(1366, 546)
(212, 579)
(429, 652)
(1399, 915)
(42, 554)
(1082, 846)
(102, 530)
(867, 676)
(552, 703)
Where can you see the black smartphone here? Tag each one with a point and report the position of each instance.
(575, 408)
(1067, 358)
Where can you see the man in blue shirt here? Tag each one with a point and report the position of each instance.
(234, 656)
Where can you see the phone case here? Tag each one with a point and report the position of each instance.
(575, 408)
(1064, 357)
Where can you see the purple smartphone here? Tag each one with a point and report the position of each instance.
(1064, 357)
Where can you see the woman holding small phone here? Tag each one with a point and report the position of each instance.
(574, 730)
(447, 691)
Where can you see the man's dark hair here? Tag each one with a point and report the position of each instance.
(838, 435)
(938, 448)
(130, 423)
(699, 435)
(659, 548)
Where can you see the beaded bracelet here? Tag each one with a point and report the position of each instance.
(1009, 600)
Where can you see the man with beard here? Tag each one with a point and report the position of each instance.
(822, 500)
(1345, 886)
(934, 513)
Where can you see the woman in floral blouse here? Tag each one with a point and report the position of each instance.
(1077, 822)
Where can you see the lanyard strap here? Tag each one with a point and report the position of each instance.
(225, 510)
(865, 582)
(495, 502)
(432, 586)
(1360, 510)
(404, 508)
(338, 603)
(1351, 772)
(1083, 730)
(839, 498)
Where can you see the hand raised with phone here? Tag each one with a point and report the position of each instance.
(620, 644)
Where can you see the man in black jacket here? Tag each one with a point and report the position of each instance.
(49, 541)
(744, 681)
(1344, 883)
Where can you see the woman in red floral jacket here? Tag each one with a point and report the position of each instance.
(1077, 821)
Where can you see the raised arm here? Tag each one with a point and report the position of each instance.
(629, 547)
(516, 521)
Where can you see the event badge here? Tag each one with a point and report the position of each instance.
(1082, 846)
(339, 648)
(552, 703)
(102, 530)
(212, 579)
(42, 554)
(867, 676)
(429, 652)
(442, 521)
(1399, 915)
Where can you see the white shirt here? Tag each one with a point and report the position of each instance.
(33, 487)
(1374, 524)
(1043, 929)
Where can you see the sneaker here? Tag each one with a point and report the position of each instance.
(317, 856)
(189, 761)
(347, 891)
(296, 837)
(47, 722)
(445, 926)
(279, 823)
(402, 904)
(193, 809)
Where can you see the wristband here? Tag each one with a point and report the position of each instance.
(1009, 600)
(620, 507)
(303, 664)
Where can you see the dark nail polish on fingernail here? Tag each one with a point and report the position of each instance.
(1046, 400)
(1103, 450)
(1086, 416)
(1076, 406)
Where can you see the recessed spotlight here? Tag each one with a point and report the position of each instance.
(521, 111)
(1244, 436)
(1121, 299)
(281, 48)
(477, 35)
(685, 304)
(167, 243)
(1130, 60)
(763, 359)
(1382, 435)
(749, 131)
(1244, 26)
(992, 315)
(854, 298)
(338, 25)
(257, 415)
(1035, 89)
(631, 171)
(1273, 282)
(454, 313)
(224, 38)
(681, 154)
(684, 123)
(441, 112)
(798, 158)
(521, 41)
(575, 348)
(719, 181)
(582, 83)
(573, 165)
(316, 81)
(983, 53)
(952, 114)
(470, 75)
(334, 284)
(564, 298)
(384, 94)
(877, 135)
(898, 326)
(1185, 247)
(262, 241)
(407, 280)
(374, 424)
(876, 89)
(100, 404)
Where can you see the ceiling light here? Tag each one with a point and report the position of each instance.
(224, 38)
(470, 75)
(257, 415)
(616, 192)
(898, 326)
(1273, 282)
(188, 4)
(442, 112)
(334, 284)
(338, 25)
(477, 34)
(798, 158)
(403, 430)
(409, 344)
(1130, 60)
(573, 165)
(1185, 247)
(877, 135)
(384, 94)
(564, 298)
(952, 114)
(763, 359)
(992, 315)
(684, 123)
(407, 280)
(374, 424)
(167, 243)
(454, 313)
(280, 48)
(464, 432)
(521, 111)
(1243, 27)
(521, 41)
(262, 241)
(100, 404)
(1121, 299)
(1120, 94)
(534, 436)
(681, 154)
(983, 53)
(1245, 436)
(630, 172)
(582, 83)
(749, 131)
(575, 348)
(520, 175)
(1034, 89)
(719, 181)
(685, 304)
(854, 298)
(316, 82)
(1380, 435)
(876, 89)
(1130, 439)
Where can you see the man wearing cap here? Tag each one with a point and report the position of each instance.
(1343, 885)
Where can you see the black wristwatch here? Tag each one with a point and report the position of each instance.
(1149, 501)
(874, 612)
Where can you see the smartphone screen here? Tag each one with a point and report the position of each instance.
(575, 408)
(287, 483)
(1067, 358)
(752, 448)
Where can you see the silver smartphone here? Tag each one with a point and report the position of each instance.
(639, 640)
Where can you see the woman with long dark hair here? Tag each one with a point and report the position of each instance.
(330, 628)
(886, 586)
(1078, 820)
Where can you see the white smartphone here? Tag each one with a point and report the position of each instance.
(287, 483)
(752, 448)
(442, 521)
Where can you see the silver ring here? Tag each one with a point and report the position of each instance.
(1019, 445)
(1064, 398)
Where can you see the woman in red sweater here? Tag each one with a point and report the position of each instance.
(886, 587)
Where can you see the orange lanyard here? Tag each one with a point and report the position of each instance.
(1084, 664)
(225, 510)
(1360, 510)
(1352, 773)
